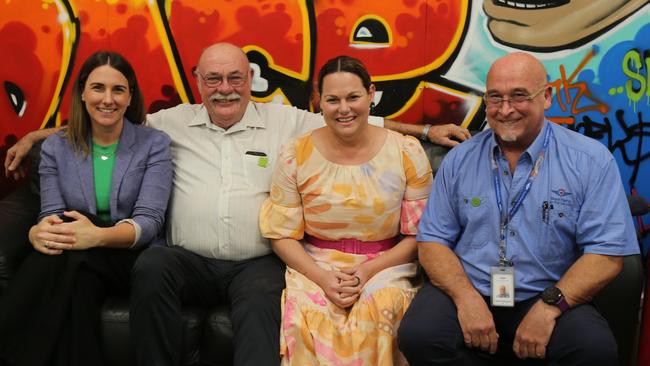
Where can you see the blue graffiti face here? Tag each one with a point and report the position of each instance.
(551, 25)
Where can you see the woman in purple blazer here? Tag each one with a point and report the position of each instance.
(105, 183)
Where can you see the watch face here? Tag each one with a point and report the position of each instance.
(551, 295)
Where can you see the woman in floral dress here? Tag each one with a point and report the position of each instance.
(343, 213)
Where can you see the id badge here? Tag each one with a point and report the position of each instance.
(503, 286)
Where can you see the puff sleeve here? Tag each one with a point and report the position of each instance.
(281, 215)
(418, 184)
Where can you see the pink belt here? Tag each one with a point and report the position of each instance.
(354, 246)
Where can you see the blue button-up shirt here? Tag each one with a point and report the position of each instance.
(578, 181)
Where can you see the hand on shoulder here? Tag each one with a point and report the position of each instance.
(448, 135)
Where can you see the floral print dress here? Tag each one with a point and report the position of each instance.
(376, 200)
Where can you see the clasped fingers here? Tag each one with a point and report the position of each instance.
(345, 299)
(49, 244)
(341, 297)
(55, 237)
(344, 277)
(47, 247)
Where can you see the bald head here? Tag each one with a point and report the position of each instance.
(224, 51)
(226, 104)
(520, 63)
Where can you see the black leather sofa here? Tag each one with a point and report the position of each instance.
(207, 333)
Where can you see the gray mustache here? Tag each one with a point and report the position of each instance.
(221, 97)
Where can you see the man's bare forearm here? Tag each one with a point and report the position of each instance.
(39, 135)
(445, 270)
(404, 128)
(448, 135)
(587, 276)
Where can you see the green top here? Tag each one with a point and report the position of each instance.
(103, 162)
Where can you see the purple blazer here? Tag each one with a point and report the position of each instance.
(140, 187)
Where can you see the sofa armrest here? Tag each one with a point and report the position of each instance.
(619, 303)
(18, 212)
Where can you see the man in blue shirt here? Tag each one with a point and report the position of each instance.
(530, 206)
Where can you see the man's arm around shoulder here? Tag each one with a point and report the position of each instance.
(17, 153)
(448, 135)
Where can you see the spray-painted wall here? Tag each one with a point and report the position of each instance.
(428, 58)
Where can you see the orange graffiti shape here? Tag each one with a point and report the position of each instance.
(277, 29)
(30, 41)
(563, 95)
(396, 40)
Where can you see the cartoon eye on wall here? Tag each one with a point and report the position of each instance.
(259, 84)
(371, 31)
(16, 98)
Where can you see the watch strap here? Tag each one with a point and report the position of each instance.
(562, 304)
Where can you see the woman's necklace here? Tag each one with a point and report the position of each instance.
(104, 156)
(104, 152)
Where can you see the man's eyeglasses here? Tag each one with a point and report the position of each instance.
(517, 98)
(213, 81)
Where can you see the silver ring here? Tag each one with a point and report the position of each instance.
(358, 280)
(46, 245)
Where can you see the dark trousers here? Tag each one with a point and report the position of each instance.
(50, 314)
(430, 334)
(165, 278)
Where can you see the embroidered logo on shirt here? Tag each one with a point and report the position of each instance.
(476, 201)
(561, 197)
(561, 192)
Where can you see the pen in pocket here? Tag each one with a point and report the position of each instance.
(255, 153)
(262, 158)
(545, 210)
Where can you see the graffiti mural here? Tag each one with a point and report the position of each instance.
(428, 58)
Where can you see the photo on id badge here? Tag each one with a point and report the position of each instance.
(503, 286)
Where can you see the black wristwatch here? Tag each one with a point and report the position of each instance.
(553, 296)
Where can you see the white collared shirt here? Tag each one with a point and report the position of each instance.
(222, 177)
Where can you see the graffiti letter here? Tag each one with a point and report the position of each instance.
(633, 57)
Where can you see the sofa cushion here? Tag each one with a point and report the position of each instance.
(18, 212)
(216, 344)
(207, 335)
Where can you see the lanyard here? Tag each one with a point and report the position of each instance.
(507, 217)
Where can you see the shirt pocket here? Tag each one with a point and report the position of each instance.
(558, 232)
(474, 217)
(259, 169)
